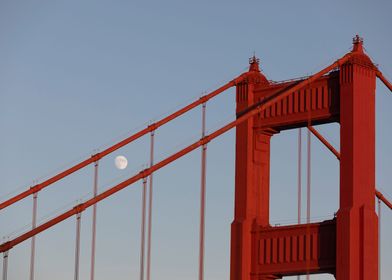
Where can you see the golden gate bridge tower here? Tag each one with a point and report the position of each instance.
(345, 246)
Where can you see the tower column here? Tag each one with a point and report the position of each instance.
(251, 179)
(357, 222)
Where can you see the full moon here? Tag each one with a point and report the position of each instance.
(121, 162)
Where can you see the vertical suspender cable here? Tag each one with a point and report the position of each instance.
(308, 93)
(150, 196)
(94, 222)
(77, 246)
(143, 228)
(308, 184)
(379, 238)
(202, 196)
(5, 265)
(33, 225)
(299, 174)
(299, 178)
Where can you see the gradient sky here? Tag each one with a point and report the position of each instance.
(75, 76)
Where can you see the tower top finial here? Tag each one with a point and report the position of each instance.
(357, 44)
(254, 63)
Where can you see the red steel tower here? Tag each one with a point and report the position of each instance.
(346, 246)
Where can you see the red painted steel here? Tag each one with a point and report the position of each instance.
(33, 225)
(294, 110)
(202, 196)
(383, 199)
(77, 245)
(94, 222)
(308, 192)
(291, 250)
(379, 235)
(345, 96)
(345, 246)
(299, 181)
(252, 171)
(299, 176)
(324, 141)
(357, 243)
(5, 265)
(384, 80)
(143, 228)
(150, 200)
(111, 149)
(287, 104)
(259, 107)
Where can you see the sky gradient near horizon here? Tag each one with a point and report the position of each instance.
(76, 76)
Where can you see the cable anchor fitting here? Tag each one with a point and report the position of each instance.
(152, 127)
(79, 208)
(96, 157)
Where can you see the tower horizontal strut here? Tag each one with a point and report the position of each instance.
(260, 106)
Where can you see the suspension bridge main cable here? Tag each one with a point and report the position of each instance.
(38, 187)
(384, 80)
(259, 106)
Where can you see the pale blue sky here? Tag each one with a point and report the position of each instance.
(77, 75)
